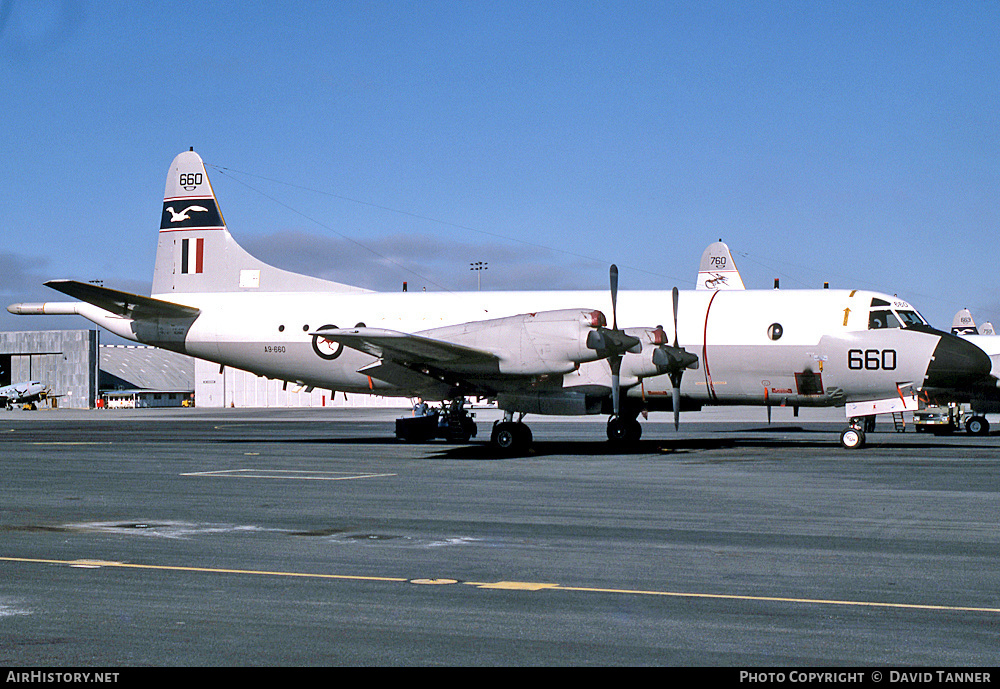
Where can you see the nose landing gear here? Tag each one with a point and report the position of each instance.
(852, 438)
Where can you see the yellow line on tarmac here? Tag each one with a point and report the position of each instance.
(780, 599)
(510, 585)
(208, 570)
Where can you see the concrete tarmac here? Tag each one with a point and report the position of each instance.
(296, 537)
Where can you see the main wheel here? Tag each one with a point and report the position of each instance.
(624, 430)
(852, 438)
(511, 437)
(978, 425)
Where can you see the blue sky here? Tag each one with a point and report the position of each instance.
(382, 142)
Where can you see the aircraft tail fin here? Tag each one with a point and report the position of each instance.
(964, 324)
(196, 253)
(718, 269)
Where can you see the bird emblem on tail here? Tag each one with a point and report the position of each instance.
(183, 215)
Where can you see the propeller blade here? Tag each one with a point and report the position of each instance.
(616, 394)
(681, 360)
(614, 297)
(677, 407)
(616, 378)
(676, 296)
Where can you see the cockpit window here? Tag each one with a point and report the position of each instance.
(882, 319)
(910, 318)
(886, 318)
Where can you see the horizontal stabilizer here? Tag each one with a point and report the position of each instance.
(125, 304)
(397, 346)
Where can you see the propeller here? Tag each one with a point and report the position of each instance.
(673, 360)
(612, 343)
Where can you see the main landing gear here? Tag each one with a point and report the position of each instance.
(624, 430)
(511, 436)
(514, 437)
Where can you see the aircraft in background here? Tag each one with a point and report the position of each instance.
(717, 270)
(26, 393)
(983, 337)
(964, 324)
(534, 352)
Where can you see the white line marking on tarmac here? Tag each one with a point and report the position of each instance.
(293, 474)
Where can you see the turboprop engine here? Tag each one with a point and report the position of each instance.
(541, 343)
(653, 356)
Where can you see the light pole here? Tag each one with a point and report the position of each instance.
(479, 267)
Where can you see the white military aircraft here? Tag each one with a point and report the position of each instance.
(26, 393)
(534, 352)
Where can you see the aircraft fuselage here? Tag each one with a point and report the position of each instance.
(794, 347)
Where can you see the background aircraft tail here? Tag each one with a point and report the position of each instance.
(196, 253)
(964, 324)
(718, 270)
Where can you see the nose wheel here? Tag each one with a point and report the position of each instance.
(852, 438)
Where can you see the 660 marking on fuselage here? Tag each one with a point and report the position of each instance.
(871, 359)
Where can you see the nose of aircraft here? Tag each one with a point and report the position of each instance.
(957, 365)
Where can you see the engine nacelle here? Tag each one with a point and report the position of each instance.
(653, 357)
(555, 402)
(643, 361)
(541, 343)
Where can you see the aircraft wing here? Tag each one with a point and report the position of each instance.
(405, 348)
(124, 304)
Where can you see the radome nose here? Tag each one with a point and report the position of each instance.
(957, 364)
